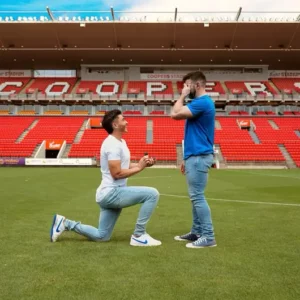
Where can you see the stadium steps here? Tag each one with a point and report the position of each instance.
(289, 161)
(149, 132)
(175, 88)
(80, 132)
(254, 137)
(220, 157)
(179, 154)
(274, 87)
(26, 131)
(297, 133)
(217, 124)
(273, 124)
(36, 149)
(125, 88)
(67, 151)
(74, 89)
(26, 86)
(224, 87)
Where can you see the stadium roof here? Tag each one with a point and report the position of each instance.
(70, 44)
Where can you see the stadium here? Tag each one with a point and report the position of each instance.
(60, 73)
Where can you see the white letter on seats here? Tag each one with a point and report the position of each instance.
(113, 84)
(65, 85)
(209, 89)
(297, 85)
(5, 84)
(257, 87)
(155, 87)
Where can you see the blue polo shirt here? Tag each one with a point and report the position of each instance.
(199, 131)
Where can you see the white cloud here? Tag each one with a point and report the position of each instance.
(216, 5)
(194, 6)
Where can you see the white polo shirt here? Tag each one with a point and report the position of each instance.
(112, 149)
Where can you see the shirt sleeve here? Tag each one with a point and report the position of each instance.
(114, 153)
(197, 107)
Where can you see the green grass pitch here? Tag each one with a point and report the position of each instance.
(257, 257)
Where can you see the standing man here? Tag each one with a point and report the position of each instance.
(113, 194)
(198, 155)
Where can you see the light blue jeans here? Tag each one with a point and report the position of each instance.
(111, 206)
(196, 170)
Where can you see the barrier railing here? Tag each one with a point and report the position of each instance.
(142, 97)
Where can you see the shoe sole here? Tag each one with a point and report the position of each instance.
(201, 247)
(183, 240)
(143, 245)
(51, 230)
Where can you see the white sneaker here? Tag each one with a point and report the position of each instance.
(145, 240)
(57, 228)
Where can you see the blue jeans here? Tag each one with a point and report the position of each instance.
(196, 170)
(111, 206)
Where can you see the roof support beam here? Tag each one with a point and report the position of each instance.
(1, 43)
(236, 25)
(174, 32)
(50, 13)
(238, 14)
(114, 25)
(59, 46)
(293, 36)
(233, 36)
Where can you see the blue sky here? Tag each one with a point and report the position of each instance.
(152, 5)
(16, 5)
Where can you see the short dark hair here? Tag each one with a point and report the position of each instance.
(108, 119)
(195, 76)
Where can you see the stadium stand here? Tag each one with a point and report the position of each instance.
(294, 150)
(11, 129)
(234, 152)
(236, 144)
(79, 112)
(238, 113)
(151, 88)
(26, 112)
(53, 112)
(252, 87)
(110, 87)
(287, 85)
(211, 87)
(157, 113)
(4, 112)
(61, 128)
(51, 86)
(100, 113)
(12, 85)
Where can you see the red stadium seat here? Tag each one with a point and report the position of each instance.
(52, 86)
(251, 87)
(150, 88)
(236, 144)
(287, 85)
(12, 85)
(104, 88)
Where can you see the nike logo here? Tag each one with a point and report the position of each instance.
(57, 229)
(142, 242)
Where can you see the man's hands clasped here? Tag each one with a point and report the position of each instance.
(146, 162)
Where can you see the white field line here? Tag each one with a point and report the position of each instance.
(238, 201)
